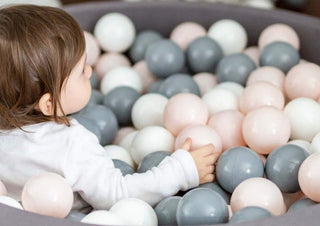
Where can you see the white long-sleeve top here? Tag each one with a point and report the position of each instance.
(75, 153)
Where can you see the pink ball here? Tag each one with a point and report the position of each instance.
(258, 192)
(254, 53)
(309, 177)
(265, 129)
(228, 125)
(268, 74)
(3, 190)
(109, 61)
(182, 110)
(261, 94)
(201, 135)
(47, 194)
(186, 32)
(279, 32)
(206, 81)
(122, 132)
(92, 48)
(147, 77)
(303, 80)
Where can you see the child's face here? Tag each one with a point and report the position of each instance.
(76, 91)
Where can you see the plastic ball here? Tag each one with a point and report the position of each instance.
(301, 204)
(121, 76)
(3, 189)
(215, 187)
(103, 217)
(290, 198)
(261, 4)
(148, 110)
(47, 194)
(124, 167)
(186, 32)
(303, 80)
(279, 33)
(219, 99)
(283, 165)
(120, 153)
(115, 32)
(203, 55)
(121, 133)
(302, 143)
(94, 80)
(166, 210)
(249, 193)
(231, 36)
(109, 61)
(309, 178)
(201, 135)
(105, 119)
(152, 160)
(135, 212)
(121, 100)
(234, 87)
(261, 94)
(202, 206)
(235, 68)
(126, 141)
(92, 48)
(205, 81)
(254, 53)
(303, 114)
(314, 146)
(151, 139)
(236, 165)
(143, 40)
(228, 124)
(280, 55)
(165, 58)
(95, 98)
(179, 83)
(182, 110)
(250, 213)
(6, 200)
(75, 215)
(147, 78)
(89, 124)
(154, 87)
(265, 129)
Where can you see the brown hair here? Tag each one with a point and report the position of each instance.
(39, 47)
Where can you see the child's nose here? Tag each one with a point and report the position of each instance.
(89, 71)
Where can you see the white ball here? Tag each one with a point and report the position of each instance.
(231, 36)
(126, 141)
(121, 76)
(315, 144)
(304, 116)
(220, 100)
(103, 217)
(118, 152)
(151, 139)
(10, 202)
(135, 212)
(92, 48)
(3, 189)
(52, 3)
(262, 4)
(234, 87)
(301, 143)
(148, 110)
(115, 32)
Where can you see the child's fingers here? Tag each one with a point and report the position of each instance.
(211, 158)
(210, 169)
(187, 144)
(208, 178)
(206, 150)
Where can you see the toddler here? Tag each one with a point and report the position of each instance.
(43, 78)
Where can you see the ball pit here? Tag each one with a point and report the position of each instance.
(254, 22)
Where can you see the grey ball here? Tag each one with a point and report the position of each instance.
(179, 83)
(75, 215)
(121, 100)
(152, 160)
(165, 58)
(89, 124)
(105, 119)
(202, 206)
(236, 165)
(166, 210)
(301, 204)
(280, 55)
(124, 167)
(249, 213)
(282, 167)
(94, 80)
(142, 42)
(235, 68)
(215, 187)
(155, 87)
(203, 55)
(96, 97)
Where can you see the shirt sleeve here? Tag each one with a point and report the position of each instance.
(91, 172)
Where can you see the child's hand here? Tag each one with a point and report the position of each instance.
(204, 159)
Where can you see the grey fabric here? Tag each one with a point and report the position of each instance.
(163, 17)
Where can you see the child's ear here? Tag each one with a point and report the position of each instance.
(45, 104)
